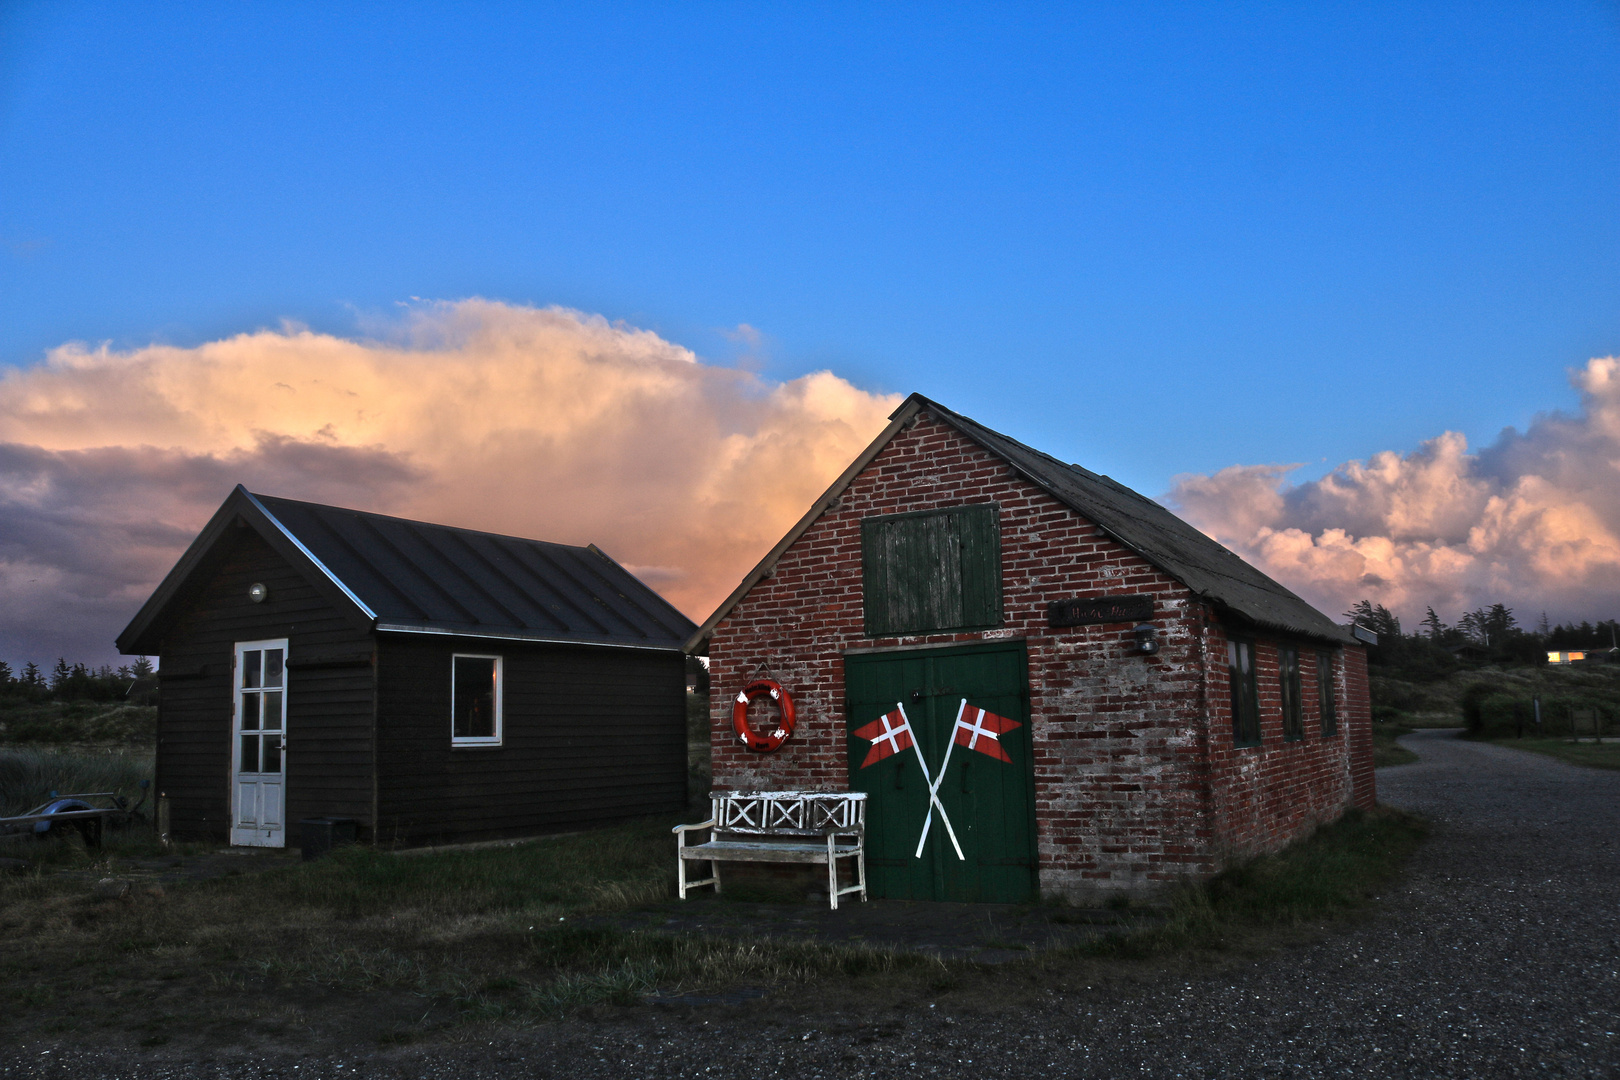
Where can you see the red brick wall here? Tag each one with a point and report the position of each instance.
(1264, 796)
(1133, 788)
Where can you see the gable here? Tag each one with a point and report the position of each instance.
(1214, 573)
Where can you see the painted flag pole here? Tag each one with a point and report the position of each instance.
(889, 737)
(933, 791)
(933, 795)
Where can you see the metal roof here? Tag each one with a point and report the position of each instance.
(414, 577)
(1204, 565)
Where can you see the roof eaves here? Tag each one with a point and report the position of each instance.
(535, 637)
(897, 421)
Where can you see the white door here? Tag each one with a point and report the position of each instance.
(259, 745)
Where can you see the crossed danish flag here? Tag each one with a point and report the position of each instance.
(976, 729)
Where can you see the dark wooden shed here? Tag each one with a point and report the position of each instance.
(432, 683)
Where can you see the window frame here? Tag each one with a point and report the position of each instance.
(1243, 693)
(1290, 693)
(877, 578)
(1327, 694)
(469, 742)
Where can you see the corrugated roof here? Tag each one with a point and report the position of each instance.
(415, 577)
(1204, 565)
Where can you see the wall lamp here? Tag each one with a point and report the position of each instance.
(1147, 638)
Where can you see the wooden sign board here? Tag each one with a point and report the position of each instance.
(1099, 609)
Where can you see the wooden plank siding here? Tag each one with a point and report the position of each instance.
(329, 707)
(589, 736)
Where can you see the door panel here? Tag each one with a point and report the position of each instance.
(258, 744)
(989, 803)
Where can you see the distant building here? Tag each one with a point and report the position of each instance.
(431, 683)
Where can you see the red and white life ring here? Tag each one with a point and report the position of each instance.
(739, 716)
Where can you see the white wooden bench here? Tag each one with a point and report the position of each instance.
(780, 826)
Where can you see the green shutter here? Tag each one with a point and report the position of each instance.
(939, 570)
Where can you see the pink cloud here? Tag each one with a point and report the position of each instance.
(1532, 521)
(536, 422)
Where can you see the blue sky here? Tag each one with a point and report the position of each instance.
(1159, 240)
(1154, 239)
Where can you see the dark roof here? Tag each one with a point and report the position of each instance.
(412, 577)
(1209, 569)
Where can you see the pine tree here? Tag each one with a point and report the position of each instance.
(31, 677)
(1432, 621)
(60, 674)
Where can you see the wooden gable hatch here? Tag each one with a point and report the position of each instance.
(429, 682)
(1096, 698)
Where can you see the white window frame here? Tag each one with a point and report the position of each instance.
(473, 741)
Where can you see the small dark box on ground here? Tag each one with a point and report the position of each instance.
(321, 835)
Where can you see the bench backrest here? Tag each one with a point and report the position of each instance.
(794, 813)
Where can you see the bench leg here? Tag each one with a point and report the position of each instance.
(680, 869)
(714, 872)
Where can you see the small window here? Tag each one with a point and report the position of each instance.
(1245, 703)
(1325, 695)
(475, 700)
(937, 570)
(1293, 709)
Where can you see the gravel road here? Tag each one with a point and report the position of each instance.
(1497, 956)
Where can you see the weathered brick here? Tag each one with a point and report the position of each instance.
(1137, 781)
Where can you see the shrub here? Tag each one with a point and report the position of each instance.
(1473, 699)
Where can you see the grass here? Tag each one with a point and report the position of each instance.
(1605, 755)
(28, 776)
(1334, 873)
(369, 944)
(1386, 751)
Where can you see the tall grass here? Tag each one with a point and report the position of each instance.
(28, 776)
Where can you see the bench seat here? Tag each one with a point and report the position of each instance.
(780, 826)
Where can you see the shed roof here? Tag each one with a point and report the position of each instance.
(1204, 565)
(414, 577)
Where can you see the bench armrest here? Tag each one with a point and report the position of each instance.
(688, 828)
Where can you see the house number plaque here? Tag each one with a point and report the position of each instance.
(1099, 609)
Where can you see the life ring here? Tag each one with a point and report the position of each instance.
(739, 716)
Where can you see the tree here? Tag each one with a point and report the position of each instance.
(1377, 618)
(1432, 621)
(60, 674)
(142, 668)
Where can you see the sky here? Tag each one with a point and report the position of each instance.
(1336, 282)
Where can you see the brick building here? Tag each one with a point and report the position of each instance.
(1097, 699)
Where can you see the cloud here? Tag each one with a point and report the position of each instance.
(547, 423)
(1532, 521)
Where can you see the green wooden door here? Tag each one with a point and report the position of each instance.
(988, 802)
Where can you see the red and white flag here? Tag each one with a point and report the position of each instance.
(889, 734)
(980, 730)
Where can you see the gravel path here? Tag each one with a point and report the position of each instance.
(1497, 956)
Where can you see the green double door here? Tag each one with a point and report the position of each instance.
(989, 803)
